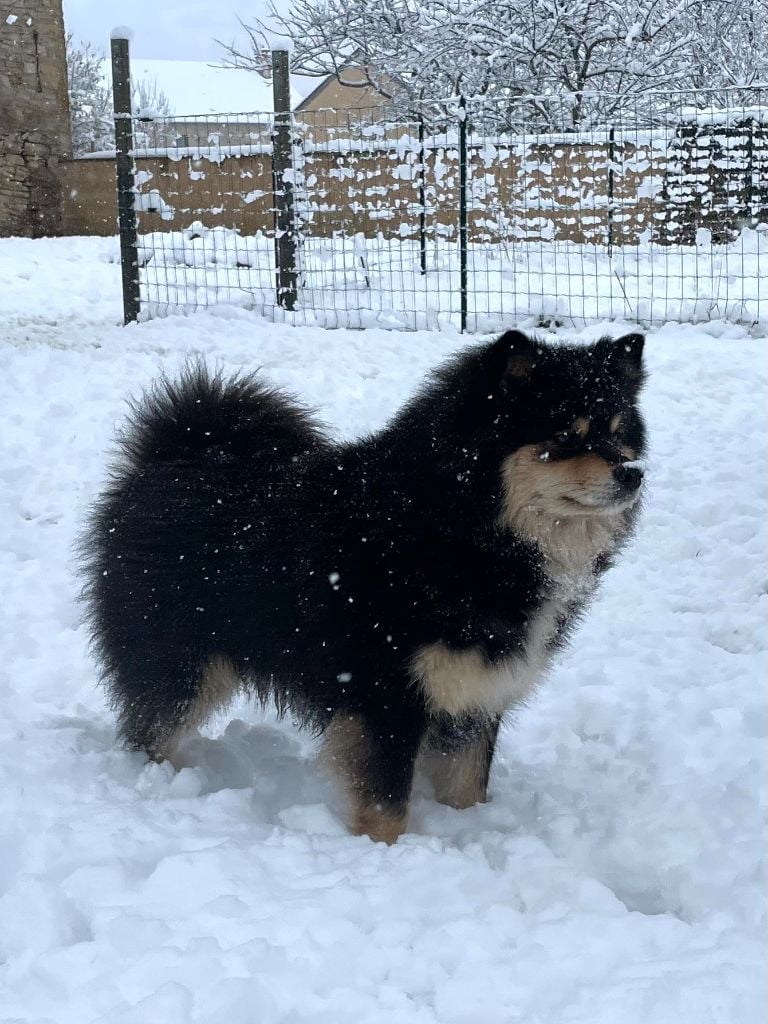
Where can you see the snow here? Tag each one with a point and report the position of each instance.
(525, 277)
(152, 200)
(275, 41)
(613, 877)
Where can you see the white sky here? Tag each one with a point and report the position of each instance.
(171, 29)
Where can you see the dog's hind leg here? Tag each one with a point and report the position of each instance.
(456, 757)
(375, 755)
(158, 706)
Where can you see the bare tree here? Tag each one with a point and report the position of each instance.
(153, 126)
(391, 44)
(730, 47)
(149, 100)
(583, 59)
(90, 98)
(90, 102)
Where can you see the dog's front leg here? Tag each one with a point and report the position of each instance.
(456, 757)
(375, 752)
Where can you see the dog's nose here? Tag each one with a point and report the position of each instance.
(630, 477)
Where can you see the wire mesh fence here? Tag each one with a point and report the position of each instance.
(458, 214)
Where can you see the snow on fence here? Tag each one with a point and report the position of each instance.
(447, 218)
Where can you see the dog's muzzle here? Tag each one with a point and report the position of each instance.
(629, 477)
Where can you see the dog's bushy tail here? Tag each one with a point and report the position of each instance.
(197, 460)
(204, 411)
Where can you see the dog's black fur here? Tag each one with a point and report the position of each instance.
(236, 534)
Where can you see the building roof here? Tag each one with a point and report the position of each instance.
(197, 87)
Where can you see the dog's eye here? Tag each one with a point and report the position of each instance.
(566, 436)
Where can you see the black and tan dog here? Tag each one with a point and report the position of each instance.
(399, 593)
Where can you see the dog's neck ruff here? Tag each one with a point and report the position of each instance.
(458, 682)
(569, 545)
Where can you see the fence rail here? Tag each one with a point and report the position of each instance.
(443, 218)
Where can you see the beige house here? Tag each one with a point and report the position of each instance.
(333, 109)
(332, 94)
(214, 106)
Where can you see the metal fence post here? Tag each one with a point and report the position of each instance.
(126, 168)
(282, 183)
(422, 199)
(750, 177)
(611, 158)
(463, 211)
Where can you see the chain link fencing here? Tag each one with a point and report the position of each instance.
(457, 214)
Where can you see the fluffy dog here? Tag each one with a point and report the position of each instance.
(398, 593)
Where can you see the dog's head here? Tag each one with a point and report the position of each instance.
(568, 419)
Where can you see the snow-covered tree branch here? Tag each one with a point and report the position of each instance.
(90, 99)
(415, 50)
(730, 44)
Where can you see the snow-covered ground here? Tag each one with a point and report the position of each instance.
(614, 878)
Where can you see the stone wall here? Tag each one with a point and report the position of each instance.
(34, 117)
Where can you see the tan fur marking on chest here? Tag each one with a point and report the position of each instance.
(460, 681)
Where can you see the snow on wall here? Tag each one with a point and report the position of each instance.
(656, 225)
(605, 188)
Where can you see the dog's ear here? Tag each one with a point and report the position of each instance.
(625, 354)
(516, 356)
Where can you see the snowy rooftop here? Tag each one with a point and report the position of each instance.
(198, 87)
